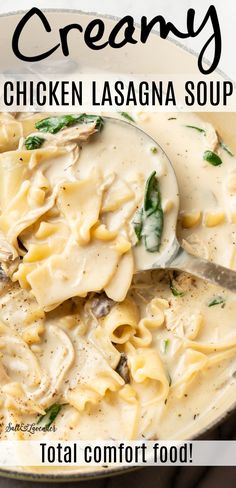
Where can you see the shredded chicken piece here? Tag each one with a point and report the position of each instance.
(9, 267)
(9, 257)
(212, 139)
(77, 133)
(7, 251)
(185, 281)
(196, 246)
(4, 378)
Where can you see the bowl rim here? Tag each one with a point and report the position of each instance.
(119, 470)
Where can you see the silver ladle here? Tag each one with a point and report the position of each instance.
(177, 257)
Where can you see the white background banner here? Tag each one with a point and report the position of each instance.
(116, 92)
(102, 453)
(171, 9)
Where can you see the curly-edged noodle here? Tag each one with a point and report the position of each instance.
(77, 206)
(80, 279)
(18, 353)
(155, 319)
(120, 324)
(86, 393)
(120, 283)
(10, 132)
(60, 364)
(211, 347)
(190, 364)
(91, 377)
(20, 372)
(146, 367)
(101, 339)
(131, 408)
(31, 195)
(17, 399)
(219, 357)
(80, 203)
(22, 199)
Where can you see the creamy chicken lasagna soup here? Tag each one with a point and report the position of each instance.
(90, 349)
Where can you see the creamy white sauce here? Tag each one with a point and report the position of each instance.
(71, 356)
(121, 149)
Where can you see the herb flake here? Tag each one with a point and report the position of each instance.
(226, 149)
(166, 344)
(127, 116)
(175, 291)
(212, 158)
(216, 301)
(198, 129)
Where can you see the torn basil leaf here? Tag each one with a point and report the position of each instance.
(48, 418)
(127, 116)
(33, 142)
(212, 158)
(149, 220)
(55, 124)
(216, 301)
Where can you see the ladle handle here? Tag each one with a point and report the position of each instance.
(216, 274)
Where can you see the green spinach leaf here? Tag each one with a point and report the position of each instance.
(149, 220)
(33, 142)
(55, 124)
(51, 413)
